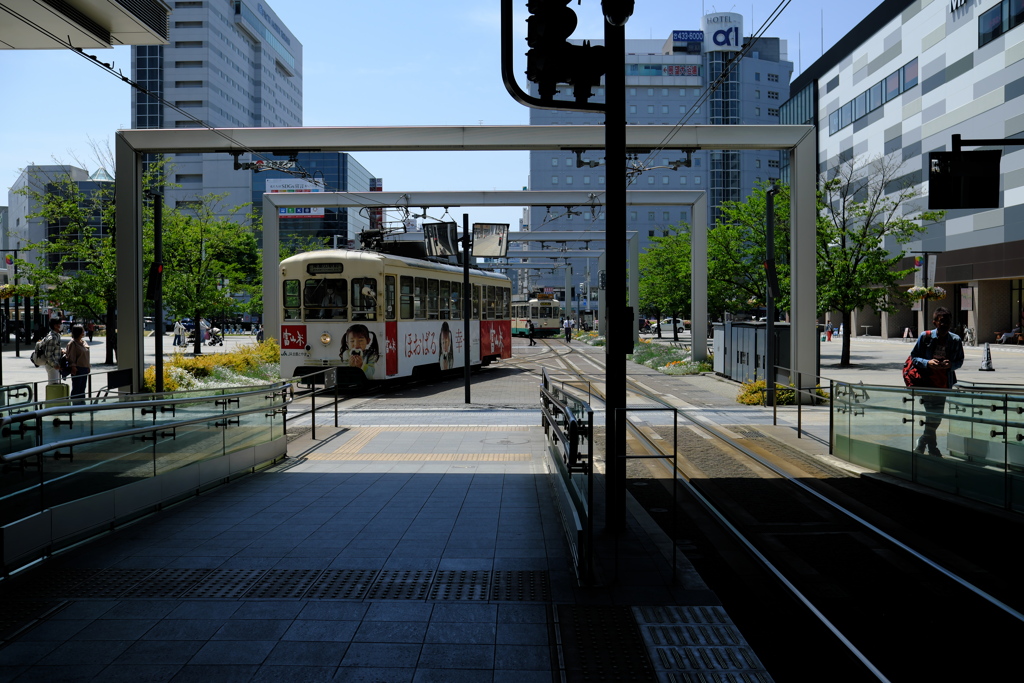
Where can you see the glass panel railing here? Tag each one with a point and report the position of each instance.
(968, 443)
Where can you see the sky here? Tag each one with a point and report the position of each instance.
(401, 63)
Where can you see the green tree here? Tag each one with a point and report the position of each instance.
(665, 275)
(207, 258)
(866, 216)
(737, 281)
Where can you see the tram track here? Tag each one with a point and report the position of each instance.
(850, 582)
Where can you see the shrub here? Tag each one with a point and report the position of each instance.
(755, 394)
(256, 363)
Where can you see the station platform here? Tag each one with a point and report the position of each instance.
(408, 546)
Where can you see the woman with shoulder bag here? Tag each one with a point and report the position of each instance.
(77, 353)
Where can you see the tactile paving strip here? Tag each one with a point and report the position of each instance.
(283, 583)
(602, 643)
(525, 586)
(167, 583)
(227, 583)
(697, 643)
(461, 585)
(342, 584)
(49, 582)
(401, 584)
(110, 583)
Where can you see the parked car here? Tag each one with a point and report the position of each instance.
(674, 324)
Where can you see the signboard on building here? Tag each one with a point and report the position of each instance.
(723, 32)
(280, 185)
(663, 69)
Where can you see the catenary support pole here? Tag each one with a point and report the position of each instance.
(467, 302)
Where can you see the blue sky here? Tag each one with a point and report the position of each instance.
(403, 62)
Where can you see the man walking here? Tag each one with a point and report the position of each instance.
(49, 349)
(530, 331)
(938, 354)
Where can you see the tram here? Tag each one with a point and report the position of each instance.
(546, 315)
(378, 316)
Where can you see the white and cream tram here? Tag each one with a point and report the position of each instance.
(545, 312)
(380, 317)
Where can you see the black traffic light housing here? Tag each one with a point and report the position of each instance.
(552, 59)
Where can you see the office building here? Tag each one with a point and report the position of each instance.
(331, 172)
(229, 64)
(903, 82)
(668, 82)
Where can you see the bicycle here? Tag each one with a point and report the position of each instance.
(969, 338)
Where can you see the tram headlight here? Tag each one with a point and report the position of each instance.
(325, 338)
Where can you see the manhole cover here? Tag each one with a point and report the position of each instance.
(505, 442)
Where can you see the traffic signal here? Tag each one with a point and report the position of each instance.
(552, 59)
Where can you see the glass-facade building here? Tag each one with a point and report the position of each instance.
(332, 171)
(686, 79)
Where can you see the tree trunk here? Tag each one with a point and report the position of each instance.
(197, 345)
(844, 359)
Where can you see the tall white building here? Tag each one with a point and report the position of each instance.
(904, 81)
(229, 63)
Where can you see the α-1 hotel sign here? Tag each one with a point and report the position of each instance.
(723, 32)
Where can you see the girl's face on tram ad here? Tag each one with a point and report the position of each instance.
(356, 341)
(446, 342)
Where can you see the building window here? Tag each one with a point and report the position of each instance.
(696, 180)
(664, 109)
(682, 180)
(554, 162)
(650, 108)
(632, 215)
(773, 78)
(184, 44)
(757, 75)
(990, 25)
(650, 180)
(632, 92)
(650, 92)
(195, 64)
(650, 233)
(757, 163)
(632, 109)
(757, 94)
(554, 180)
(568, 161)
(664, 233)
(650, 215)
(586, 180)
(773, 163)
(600, 180)
(664, 216)
(682, 216)
(696, 92)
(773, 112)
(682, 108)
(184, 104)
(773, 95)
(568, 180)
(188, 84)
(188, 24)
(682, 92)
(664, 92)
(664, 180)
(757, 111)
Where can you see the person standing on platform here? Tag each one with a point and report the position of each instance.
(49, 349)
(77, 353)
(179, 334)
(828, 331)
(530, 332)
(938, 354)
(567, 326)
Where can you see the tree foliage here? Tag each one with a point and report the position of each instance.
(737, 281)
(866, 216)
(665, 274)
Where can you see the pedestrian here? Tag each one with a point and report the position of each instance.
(567, 326)
(48, 348)
(77, 353)
(90, 329)
(204, 331)
(828, 331)
(179, 333)
(259, 334)
(530, 330)
(938, 354)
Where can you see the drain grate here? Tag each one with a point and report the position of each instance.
(526, 586)
(167, 583)
(602, 643)
(401, 584)
(283, 583)
(697, 643)
(227, 583)
(461, 585)
(343, 584)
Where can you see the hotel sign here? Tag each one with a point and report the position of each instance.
(723, 32)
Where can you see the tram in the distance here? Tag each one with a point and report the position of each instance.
(546, 314)
(379, 316)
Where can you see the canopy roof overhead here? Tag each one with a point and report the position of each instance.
(87, 24)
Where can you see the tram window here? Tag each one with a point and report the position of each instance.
(476, 302)
(407, 302)
(292, 297)
(446, 300)
(325, 299)
(389, 297)
(432, 295)
(419, 298)
(490, 303)
(457, 302)
(364, 298)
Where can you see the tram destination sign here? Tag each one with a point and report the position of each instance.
(325, 268)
